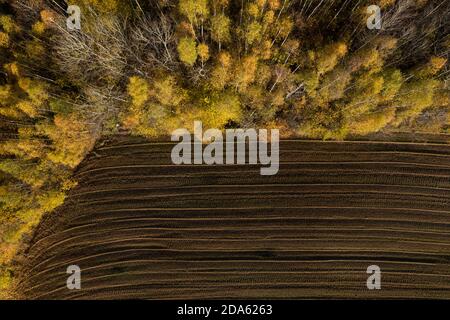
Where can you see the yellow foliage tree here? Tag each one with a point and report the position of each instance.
(220, 29)
(244, 72)
(166, 91)
(372, 122)
(138, 89)
(187, 51)
(194, 10)
(328, 57)
(71, 137)
(4, 40)
(35, 89)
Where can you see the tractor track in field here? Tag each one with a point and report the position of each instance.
(140, 227)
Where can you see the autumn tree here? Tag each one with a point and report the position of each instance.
(187, 51)
(220, 29)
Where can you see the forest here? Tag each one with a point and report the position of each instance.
(310, 68)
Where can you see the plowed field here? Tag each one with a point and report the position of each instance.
(140, 227)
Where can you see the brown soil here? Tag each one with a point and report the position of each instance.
(140, 227)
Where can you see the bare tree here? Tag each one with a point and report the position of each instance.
(96, 55)
(153, 41)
